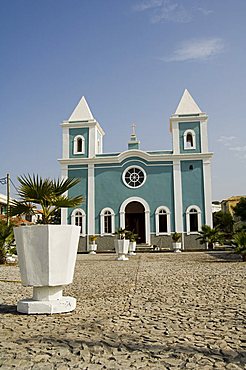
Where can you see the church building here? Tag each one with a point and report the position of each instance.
(153, 193)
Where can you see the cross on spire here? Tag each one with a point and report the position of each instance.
(133, 143)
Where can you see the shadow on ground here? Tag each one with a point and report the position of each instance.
(8, 309)
(224, 257)
(129, 344)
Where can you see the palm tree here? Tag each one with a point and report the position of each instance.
(209, 236)
(240, 241)
(6, 239)
(46, 194)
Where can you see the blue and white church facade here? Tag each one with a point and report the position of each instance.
(153, 193)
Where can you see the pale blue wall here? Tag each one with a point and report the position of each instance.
(80, 188)
(74, 132)
(111, 191)
(195, 126)
(192, 187)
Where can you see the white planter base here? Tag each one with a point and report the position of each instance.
(92, 249)
(29, 306)
(177, 247)
(122, 257)
(121, 248)
(46, 300)
(132, 248)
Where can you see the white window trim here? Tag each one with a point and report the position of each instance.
(83, 233)
(75, 144)
(102, 214)
(127, 169)
(199, 219)
(157, 213)
(192, 132)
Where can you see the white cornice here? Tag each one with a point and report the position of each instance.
(83, 124)
(189, 119)
(136, 153)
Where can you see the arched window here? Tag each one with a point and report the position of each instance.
(162, 221)
(189, 139)
(78, 218)
(107, 220)
(79, 145)
(193, 219)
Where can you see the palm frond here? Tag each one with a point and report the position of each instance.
(20, 208)
(34, 189)
(49, 194)
(67, 202)
(6, 232)
(63, 185)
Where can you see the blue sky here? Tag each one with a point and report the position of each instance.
(132, 60)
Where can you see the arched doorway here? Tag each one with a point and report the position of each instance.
(145, 210)
(135, 220)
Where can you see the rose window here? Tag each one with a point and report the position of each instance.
(134, 177)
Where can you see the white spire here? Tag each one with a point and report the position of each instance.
(133, 129)
(187, 105)
(81, 112)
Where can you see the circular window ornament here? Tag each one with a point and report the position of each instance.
(134, 177)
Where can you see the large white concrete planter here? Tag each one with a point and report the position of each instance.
(177, 247)
(132, 248)
(47, 256)
(121, 248)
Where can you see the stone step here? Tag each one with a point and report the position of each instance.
(144, 247)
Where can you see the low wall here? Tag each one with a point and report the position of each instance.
(161, 242)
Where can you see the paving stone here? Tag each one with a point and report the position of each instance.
(233, 367)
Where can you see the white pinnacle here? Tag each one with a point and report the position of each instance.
(82, 112)
(187, 105)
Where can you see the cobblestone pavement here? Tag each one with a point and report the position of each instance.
(155, 311)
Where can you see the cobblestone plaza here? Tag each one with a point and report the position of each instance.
(155, 311)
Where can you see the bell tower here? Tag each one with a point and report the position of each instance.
(82, 134)
(188, 126)
(191, 163)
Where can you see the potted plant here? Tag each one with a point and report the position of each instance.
(176, 238)
(209, 236)
(92, 244)
(132, 242)
(240, 241)
(46, 252)
(121, 245)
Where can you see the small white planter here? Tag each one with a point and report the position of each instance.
(92, 248)
(47, 256)
(177, 247)
(209, 247)
(121, 248)
(132, 248)
(11, 258)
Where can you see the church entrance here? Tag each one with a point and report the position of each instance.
(135, 220)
